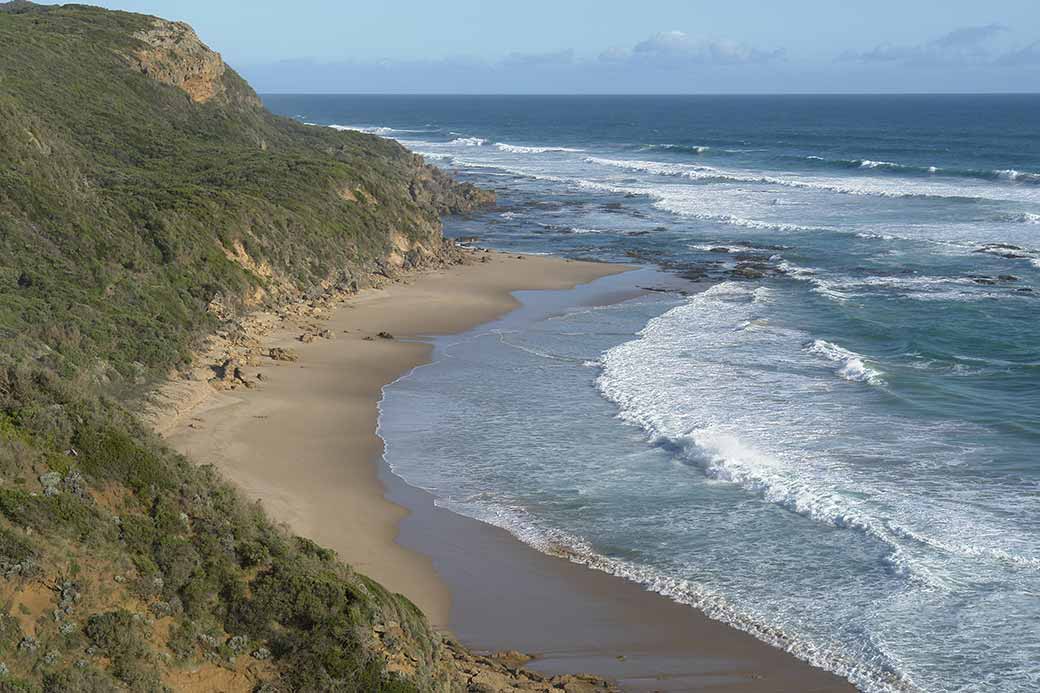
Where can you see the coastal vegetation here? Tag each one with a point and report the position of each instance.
(146, 198)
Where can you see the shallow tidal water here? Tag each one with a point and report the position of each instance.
(833, 442)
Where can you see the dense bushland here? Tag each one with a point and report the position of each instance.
(133, 218)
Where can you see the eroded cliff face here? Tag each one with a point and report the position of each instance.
(432, 186)
(173, 54)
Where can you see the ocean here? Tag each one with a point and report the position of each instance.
(833, 441)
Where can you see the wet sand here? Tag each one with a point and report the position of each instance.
(305, 444)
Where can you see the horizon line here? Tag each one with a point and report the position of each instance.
(646, 94)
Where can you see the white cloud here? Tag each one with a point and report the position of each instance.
(967, 45)
(678, 49)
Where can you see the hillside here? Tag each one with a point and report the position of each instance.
(146, 198)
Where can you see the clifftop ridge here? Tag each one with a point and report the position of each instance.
(176, 56)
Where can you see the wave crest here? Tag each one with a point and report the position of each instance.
(468, 142)
(523, 149)
(853, 368)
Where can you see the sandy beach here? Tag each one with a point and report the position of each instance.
(304, 444)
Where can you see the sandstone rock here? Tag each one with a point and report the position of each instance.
(491, 682)
(581, 683)
(280, 354)
(511, 658)
(173, 54)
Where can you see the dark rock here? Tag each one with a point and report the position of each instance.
(1008, 278)
(385, 335)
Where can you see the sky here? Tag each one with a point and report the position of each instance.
(619, 46)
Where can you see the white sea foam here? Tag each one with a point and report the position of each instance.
(717, 247)
(468, 142)
(852, 368)
(380, 130)
(1013, 175)
(690, 202)
(1022, 218)
(521, 149)
(692, 149)
(793, 270)
(717, 392)
(867, 163)
(869, 186)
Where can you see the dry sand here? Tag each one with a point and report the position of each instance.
(304, 443)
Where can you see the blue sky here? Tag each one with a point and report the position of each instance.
(654, 46)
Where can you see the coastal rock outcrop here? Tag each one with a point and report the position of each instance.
(433, 186)
(173, 54)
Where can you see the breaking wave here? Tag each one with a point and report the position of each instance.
(522, 149)
(1008, 175)
(852, 368)
(469, 141)
(876, 187)
(687, 148)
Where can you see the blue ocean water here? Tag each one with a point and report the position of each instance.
(834, 441)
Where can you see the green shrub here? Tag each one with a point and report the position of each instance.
(121, 205)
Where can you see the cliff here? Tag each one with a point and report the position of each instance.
(146, 198)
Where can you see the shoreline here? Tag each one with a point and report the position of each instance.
(324, 407)
(339, 491)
